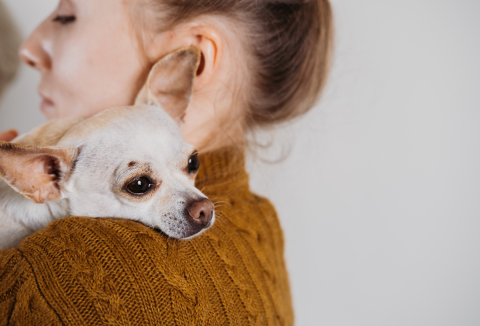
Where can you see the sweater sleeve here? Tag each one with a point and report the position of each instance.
(21, 302)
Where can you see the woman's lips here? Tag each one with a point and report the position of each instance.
(46, 105)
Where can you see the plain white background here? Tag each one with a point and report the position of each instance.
(380, 195)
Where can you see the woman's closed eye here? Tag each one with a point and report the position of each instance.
(64, 20)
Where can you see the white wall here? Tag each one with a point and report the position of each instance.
(20, 106)
(380, 196)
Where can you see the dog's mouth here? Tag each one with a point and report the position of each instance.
(158, 230)
(187, 231)
(186, 236)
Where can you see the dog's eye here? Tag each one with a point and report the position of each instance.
(193, 163)
(140, 186)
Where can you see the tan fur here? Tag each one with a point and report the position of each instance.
(40, 184)
(50, 133)
(173, 91)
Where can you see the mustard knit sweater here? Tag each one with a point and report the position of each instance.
(84, 271)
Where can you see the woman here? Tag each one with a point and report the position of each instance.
(263, 62)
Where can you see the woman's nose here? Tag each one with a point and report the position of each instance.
(35, 52)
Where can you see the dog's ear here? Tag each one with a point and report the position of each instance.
(170, 83)
(36, 172)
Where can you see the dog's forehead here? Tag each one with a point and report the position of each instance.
(140, 131)
(126, 123)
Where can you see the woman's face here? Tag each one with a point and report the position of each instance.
(91, 57)
(88, 56)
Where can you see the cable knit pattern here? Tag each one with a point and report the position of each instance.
(83, 271)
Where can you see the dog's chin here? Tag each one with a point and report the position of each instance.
(205, 228)
(158, 230)
(191, 232)
(184, 234)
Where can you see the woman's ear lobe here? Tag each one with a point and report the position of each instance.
(170, 83)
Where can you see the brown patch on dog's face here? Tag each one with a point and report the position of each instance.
(36, 172)
(139, 182)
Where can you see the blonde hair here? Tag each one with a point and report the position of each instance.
(10, 41)
(291, 45)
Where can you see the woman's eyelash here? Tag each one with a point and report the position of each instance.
(64, 19)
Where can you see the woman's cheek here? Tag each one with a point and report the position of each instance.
(81, 81)
(96, 67)
(67, 82)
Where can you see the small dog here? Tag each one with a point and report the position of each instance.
(126, 162)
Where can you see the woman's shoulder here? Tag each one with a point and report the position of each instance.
(102, 270)
(254, 213)
(96, 270)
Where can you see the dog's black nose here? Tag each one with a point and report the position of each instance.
(201, 211)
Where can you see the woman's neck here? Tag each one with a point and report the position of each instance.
(213, 124)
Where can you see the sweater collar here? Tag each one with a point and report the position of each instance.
(222, 172)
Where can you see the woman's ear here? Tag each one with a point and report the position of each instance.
(170, 82)
(203, 36)
(210, 44)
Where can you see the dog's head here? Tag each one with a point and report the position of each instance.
(128, 162)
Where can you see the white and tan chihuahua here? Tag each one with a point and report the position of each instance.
(126, 162)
